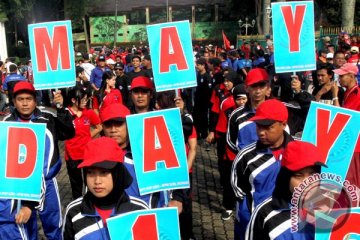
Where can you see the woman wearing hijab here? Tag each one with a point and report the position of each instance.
(106, 178)
(272, 219)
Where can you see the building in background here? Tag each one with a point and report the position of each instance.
(207, 19)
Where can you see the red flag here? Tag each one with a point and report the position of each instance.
(226, 41)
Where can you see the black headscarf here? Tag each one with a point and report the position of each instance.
(281, 195)
(121, 180)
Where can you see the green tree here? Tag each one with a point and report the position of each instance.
(75, 10)
(3, 16)
(347, 14)
(16, 11)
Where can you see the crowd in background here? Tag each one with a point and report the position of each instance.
(231, 85)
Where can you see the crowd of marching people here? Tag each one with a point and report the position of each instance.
(241, 106)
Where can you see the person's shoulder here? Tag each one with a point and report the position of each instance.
(115, 91)
(187, 117)
(247, 152)
(228, 103)
(8, 117)
(88, 112)
(133, 204)
(264, 208)
(236, 112)
(260, 215)
(87, 65)
(357, 90)
(44, 113)
(242, 114)
(251, 148)
(73, 207)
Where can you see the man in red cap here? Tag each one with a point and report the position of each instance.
(347, 79)
(106, 179)
(242, 132)
(256, 166)
(258, 89)
(59, 127)
(300, 160)
(141, 92)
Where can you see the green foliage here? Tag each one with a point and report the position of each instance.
(75, 10)
(105, 28)
(3, 16)
(17, 9)
(140, 36)
(236, 9)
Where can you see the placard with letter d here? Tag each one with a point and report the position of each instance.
(22, 148)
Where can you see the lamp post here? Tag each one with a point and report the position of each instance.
(167, 10)
(246, 25)
(115, 27)
(268, 12)
(269, 16)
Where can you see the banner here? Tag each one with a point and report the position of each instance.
(157, 224)
(52, 54)
(293, 36)
(22, 147)
(158, 149)
(172, 55)
(335, 131)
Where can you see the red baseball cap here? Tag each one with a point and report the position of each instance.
(141, 82)
(270, 111)
(347, 68)
(298, 155)
(23, 86)
(256, 75)
(102, 152)
(115, 111)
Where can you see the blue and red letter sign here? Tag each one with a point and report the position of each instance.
(52, 54)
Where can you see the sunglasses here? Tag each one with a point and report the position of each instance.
(120, 69)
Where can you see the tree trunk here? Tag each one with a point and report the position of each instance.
(265, 18)
(258, 8)
(86, 35)
(347, 15)
(16, 33)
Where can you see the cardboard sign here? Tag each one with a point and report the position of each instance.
(294, 36)
(22, 147)
(334, 131)
(340, 224)
(52, 54)
(172, 55)
(158, 148)
(157, 224)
